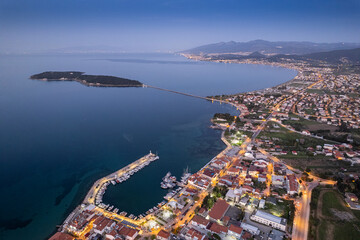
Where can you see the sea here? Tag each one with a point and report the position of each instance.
(58, 138)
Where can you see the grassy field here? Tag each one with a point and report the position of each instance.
(328, 225)
(288, 138)
(330, 200)
(346, 231)
(317, 91)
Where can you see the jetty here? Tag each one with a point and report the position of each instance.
(97, 186)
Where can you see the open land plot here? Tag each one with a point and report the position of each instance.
(331, 219)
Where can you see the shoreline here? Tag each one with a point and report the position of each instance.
(228, 145)
(298, 70)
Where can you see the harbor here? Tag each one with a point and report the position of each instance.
(98, 189)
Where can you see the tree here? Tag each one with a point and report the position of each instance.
(215, 236)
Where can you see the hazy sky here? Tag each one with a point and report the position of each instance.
(171, 25)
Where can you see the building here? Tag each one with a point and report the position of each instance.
(262, 178)
(277, 180)
(250, 228)
(352, 197)
(269, 220)
(292, 184)
(193, 234)
(103, 225)
(200, 221)
(217, 228)
(219, 209)
(262, 203)
(235, 231)
(199, 181)
(129, 233)
(61, 236)
(163, 235)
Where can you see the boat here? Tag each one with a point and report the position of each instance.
(185, 176)
(166, 176)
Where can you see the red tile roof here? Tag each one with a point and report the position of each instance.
(61, 236)
(235, 229)
(219, 209)
(164, 234)
(200, 220)
(217, 228)
(194, 234)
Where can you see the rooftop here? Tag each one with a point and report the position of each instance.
(219, 209)
(270, 217)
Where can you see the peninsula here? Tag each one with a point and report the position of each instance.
(88, 80)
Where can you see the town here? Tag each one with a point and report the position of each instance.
(287, 145)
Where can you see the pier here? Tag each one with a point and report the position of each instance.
(90, 197)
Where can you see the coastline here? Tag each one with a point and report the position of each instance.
(278, 65)
(228, 145)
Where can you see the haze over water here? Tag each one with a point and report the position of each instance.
(57, 138)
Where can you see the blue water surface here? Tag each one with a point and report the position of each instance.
(57, 138)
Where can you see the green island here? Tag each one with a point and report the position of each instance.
(88, 80)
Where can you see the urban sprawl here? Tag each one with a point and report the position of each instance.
(290, 146)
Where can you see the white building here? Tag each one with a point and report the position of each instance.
(250, 228)
(277, 180)
(269, 220)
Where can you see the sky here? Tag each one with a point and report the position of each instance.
(28, 26)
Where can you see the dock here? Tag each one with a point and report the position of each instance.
(91, 195)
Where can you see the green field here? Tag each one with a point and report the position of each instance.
(288, 138)
(330, 200)
(330, 226)
(346, 231)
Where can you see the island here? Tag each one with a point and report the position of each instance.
(88, 80)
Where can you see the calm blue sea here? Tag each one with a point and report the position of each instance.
(57, 138)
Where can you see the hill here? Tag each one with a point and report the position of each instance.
(337, 56)
(270, 48)
(349, 56)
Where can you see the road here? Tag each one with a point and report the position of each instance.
(301, 220)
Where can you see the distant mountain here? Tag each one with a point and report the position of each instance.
(350, 56)
(337, 56)
(270, 48)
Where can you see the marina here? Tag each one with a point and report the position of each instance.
(98, 189)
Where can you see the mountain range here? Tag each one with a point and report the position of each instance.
(270, 48)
